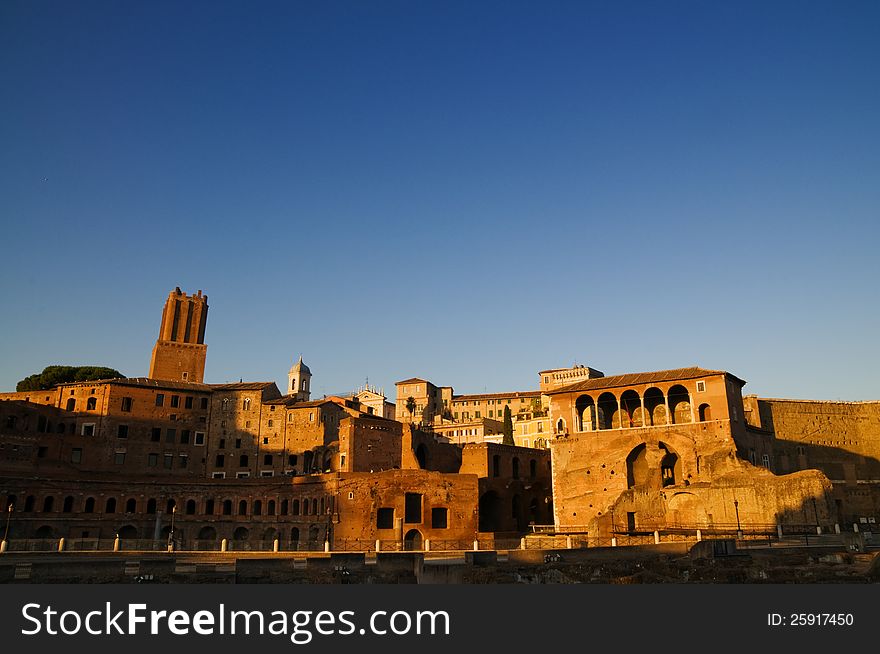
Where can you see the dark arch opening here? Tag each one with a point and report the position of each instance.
(412, 541)
(190, 507)
(586, 413)
(490, 512)
(705, 412)
(655, 407)
(422, 456)
(128, 532)
(607, 409)
(131, 505)
(631, 405)
(680, 405)
(637, 472)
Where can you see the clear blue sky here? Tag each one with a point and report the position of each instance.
(467, 192)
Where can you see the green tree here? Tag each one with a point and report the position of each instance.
(507, 430)
(54, 375)
(411, 406)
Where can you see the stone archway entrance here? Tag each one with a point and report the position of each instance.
(412, 542)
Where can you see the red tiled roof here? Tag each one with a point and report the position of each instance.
(638, 378)
(492, 396)
(242, 386)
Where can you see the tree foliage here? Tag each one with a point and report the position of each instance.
(411, 406)
(507, 429)
(54, 375)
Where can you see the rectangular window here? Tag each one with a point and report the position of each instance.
(204, 403)
(266, 473)
(265, 441)
(222, 443)
(76, 455)
(160, 399)
(88, 429)
(175, 401)
(188, 402)
(701, 386)
(242, 475)
(119, 458)
(152, 460)
(220, 461)
(270, 423)
(291, 460)
(169, 461)
(126, 404)
(184, 459)
(184, 437)
(439, 518)
(122, 431)
(412, 508)
(156, 434)
(267, 460)
(42, 452)
(218, 475)
(237, 443)
(200, 438)
(765, 460)
(385, 518)
(476, 414)
(171, 436)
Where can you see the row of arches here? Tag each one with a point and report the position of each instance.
(496, 514)
(652, 408)
(207, 537)
(300, 506)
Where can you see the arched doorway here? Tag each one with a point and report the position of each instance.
(422, 456)
(294, 538)
(655, 407)
(670, 467)
(412, 542)
(128, 532)
(705, 413)
(607, 411)
(631, 404)
(207, 539)
(637, 472)
(44, 532)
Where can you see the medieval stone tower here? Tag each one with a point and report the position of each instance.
(179, 354)
(299, 380)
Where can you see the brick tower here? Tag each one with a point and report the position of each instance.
(179, 354)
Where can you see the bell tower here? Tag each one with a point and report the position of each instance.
(179, 353)
(299, 381)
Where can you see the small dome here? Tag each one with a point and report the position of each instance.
(300, 367)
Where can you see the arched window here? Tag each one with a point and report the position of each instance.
(131, 505)
(295, 507)
(315, 506)
(258, 507)
(68, 504)
(515, 463)
(71, 404)
(225, 403)
(227, 507)
(246, 405)
(190, 507)
(533, 468)
(91, 404)
(242, 507)
(284, 505)
(48, 503)
(151, 505)
(110, 506)
(270, 508)
(209, 506)
(705, 412)
(169, 507)
(29, 502)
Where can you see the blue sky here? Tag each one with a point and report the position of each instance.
(466, 192)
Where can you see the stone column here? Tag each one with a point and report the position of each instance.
(224, 544)
(275, 545)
